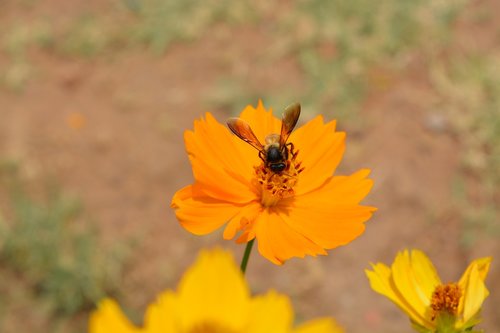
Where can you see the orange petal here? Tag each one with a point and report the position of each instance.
(328, 227)
(201, 215)
(261, 121)
(340, 190)
(330, 216)
(222, 164)
(320, 151)
(277, 241)
(245, 217)
(245, 237)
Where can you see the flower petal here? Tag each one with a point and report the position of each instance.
(330, 215)
(277, 241)
(382, 282)
(320, 151)
(474, 288)
(109, 318)
(483, 267)
(425, 274)
(261, 121)
(218, 157)
(340, 190)
(246, 216)
(161, 315)
(405, 282)
(320, 325)
(328, 227)
(199, 214)
(270, 313)
(225, 301)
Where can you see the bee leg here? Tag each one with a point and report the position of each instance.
(291, 147)
(262, 157)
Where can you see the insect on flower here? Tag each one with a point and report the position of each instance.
(286, 196)
(276, 150)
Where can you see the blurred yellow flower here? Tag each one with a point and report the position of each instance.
(299, 212)
(413, 284)
(212, 297)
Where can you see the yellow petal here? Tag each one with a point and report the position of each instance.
(424, 273)
(381, 282)
(161, 315)
(320, 325)
(213, 290)
(482, 266)
(109, 318)
(403, 275)
(271, 313)
(474, 289)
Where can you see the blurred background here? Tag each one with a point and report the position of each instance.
(95, 97)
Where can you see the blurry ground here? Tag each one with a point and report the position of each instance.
(97, 95)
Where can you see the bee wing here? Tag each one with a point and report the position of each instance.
(242, 130)
(290, 118)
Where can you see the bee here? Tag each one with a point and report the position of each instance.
(274, 153)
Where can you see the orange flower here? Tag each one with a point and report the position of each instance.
(301, 211)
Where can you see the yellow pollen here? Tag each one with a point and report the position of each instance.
(445, 298)
(276, 186)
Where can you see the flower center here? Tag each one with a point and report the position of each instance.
(278, 185)
(445, 299)
(209, 327)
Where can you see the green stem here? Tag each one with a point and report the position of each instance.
(246, 256)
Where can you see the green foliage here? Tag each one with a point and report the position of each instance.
(161, 22)
(48, 244)
(470, 85)
(338, 44)
(88, 36)
(361, 35)
(16, 40)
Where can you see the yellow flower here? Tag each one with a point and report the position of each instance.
(299, 212)
(413, 284)
(212, 297)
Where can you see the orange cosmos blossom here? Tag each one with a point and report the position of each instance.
(301, 211)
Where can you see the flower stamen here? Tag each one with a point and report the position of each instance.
(445, 299)
(277, 186)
